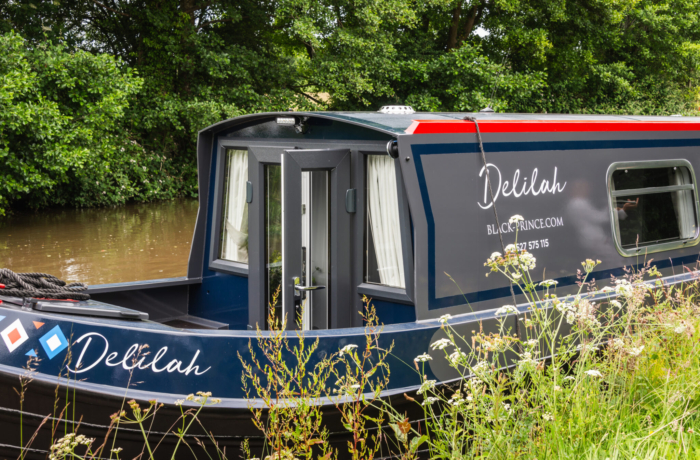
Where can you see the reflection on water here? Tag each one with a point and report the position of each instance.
(97, 246)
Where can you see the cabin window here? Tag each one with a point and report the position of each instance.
(383, 251)
(654, 206)
(234, 225)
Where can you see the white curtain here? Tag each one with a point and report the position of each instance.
(234, 241)
(683, 204)
(383, 204)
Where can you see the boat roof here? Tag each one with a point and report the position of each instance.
(454, 122)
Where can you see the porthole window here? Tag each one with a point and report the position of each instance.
(653, 206)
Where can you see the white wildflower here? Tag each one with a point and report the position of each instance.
(557, 388)
(594, 373)
(618, 344)
(569, 377)
(347, 349)
(445, 318)
(515, 219)
(531, 343)
(587, 347)
(425, 386)
(510, 248)
(506, 310)
(615, 304)
(517, 276)
(441, 344)
(549, 283)
(429, 400)
(179, 402)
(495, 255)
(679, 329)
(458, 357)
(635, 351)
(482, 366)
(563, 307)
(547, 416)
(624, 288)
(423, 358)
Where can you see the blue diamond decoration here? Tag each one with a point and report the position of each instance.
(54, 342)
(1, 318)
(31, 353)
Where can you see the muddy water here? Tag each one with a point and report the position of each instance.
(97, 246)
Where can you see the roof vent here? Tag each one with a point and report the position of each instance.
(488, 109)
(397, 109)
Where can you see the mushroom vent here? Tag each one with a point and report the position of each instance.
(397, 109)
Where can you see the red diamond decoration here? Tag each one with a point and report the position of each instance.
(14, 336)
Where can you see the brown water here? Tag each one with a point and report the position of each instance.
(106, 245)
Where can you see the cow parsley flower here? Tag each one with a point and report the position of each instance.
(445, 318)
(547, 416)
(429, 400)
(425, 386)
(506, 310)
(422, 358)
(441, 344)
(549, 283)
(594, 373)
(458, 357)
(515, 219)
(635, 351)
(510, 248)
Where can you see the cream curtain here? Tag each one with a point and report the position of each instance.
(234, 238)
(383, 209)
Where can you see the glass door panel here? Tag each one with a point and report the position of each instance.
(273, 239)
(315, 248)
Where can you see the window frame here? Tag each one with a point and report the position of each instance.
(216, 263)
(376, 290)
(649, 164)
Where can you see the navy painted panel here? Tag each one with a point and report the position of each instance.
(175, 362)
(221, 297)
(422, 152)
(394, 313)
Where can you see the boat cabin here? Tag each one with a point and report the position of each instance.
(329, 207)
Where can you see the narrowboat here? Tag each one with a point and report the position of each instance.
(326, 208)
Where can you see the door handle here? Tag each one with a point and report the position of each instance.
(299, 287)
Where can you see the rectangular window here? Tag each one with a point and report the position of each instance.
(654, 205)
(234, 224)
(383, 251)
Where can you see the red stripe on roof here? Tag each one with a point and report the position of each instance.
(542, 126)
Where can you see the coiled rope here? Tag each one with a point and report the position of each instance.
(40, 285)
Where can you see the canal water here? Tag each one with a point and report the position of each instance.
(105, 245)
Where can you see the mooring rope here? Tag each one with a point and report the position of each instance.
(495, 213)
(40, 285)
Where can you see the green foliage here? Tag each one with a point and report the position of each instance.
(150, 74)
(60, 140)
